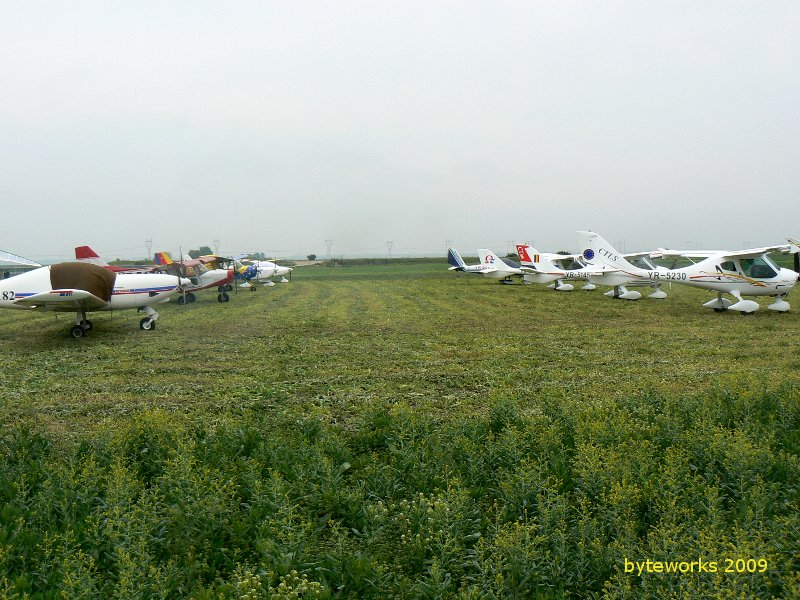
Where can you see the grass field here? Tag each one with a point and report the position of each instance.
(400, 431)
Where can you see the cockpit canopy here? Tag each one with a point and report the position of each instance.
(759, 268)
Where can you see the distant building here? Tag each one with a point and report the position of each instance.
(11, 264)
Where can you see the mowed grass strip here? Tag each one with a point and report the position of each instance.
(408, 332)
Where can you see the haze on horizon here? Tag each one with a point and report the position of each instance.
(273, 127)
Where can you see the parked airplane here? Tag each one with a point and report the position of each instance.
(263, 271)
(202, 273)
(84, 287)
(738, 273)
(561, 267)
(491, 265)
(554, 269)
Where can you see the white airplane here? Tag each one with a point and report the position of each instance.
(84, 287)
(561, 267)
(201, 276)
(263, 271)
(202, 272)
(491, 265)
(554, 269)
(738, 273)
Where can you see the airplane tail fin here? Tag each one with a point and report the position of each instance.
(86, 254)
(489, 258)
(528, 255)
(597, 251)
(162, 258)
(795, 250)
(454, 259)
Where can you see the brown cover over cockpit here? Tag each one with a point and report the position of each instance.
(83, 276)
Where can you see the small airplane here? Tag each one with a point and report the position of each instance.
(491, 265)
(739, 273)
(263, 271)
(201, 271)
(554, 269)
(83, 287)
(561, 267)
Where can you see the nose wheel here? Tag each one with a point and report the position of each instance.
(147, 324)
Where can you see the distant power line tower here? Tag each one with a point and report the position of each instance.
(215, 243)
(149, 243)
(328, 244)
(389, 245)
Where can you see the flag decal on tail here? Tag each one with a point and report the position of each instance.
(588, 254)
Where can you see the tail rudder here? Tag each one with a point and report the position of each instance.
(490, 259)
(528, 255)
(86, 254)
(454, 259)
(162, 259)
(597, 251)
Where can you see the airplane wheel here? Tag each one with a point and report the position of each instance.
(253, 289)
(87, 325)
(228, 287)
(225, 297)
(191, 297)
(77, 332)
(720, 309)
(181, 299)
(147, 324)
(219, 298)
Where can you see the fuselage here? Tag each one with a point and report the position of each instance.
(131, 290)
(748, 277)
(210, 279)
(263, 270)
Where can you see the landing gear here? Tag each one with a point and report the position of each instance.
(223, 297)
(186, 298)
(149, 322)
(228, 287)
(82, 325)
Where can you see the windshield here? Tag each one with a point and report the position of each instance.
(642, 262)
(758, 268)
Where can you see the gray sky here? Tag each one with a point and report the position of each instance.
(273, 126)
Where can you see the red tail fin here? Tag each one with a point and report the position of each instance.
(85, 252)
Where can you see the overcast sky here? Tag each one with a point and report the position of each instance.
(274, 126)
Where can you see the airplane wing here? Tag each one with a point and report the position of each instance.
(66, 299)
(749, 253)
(664, 253)
(755, 252)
